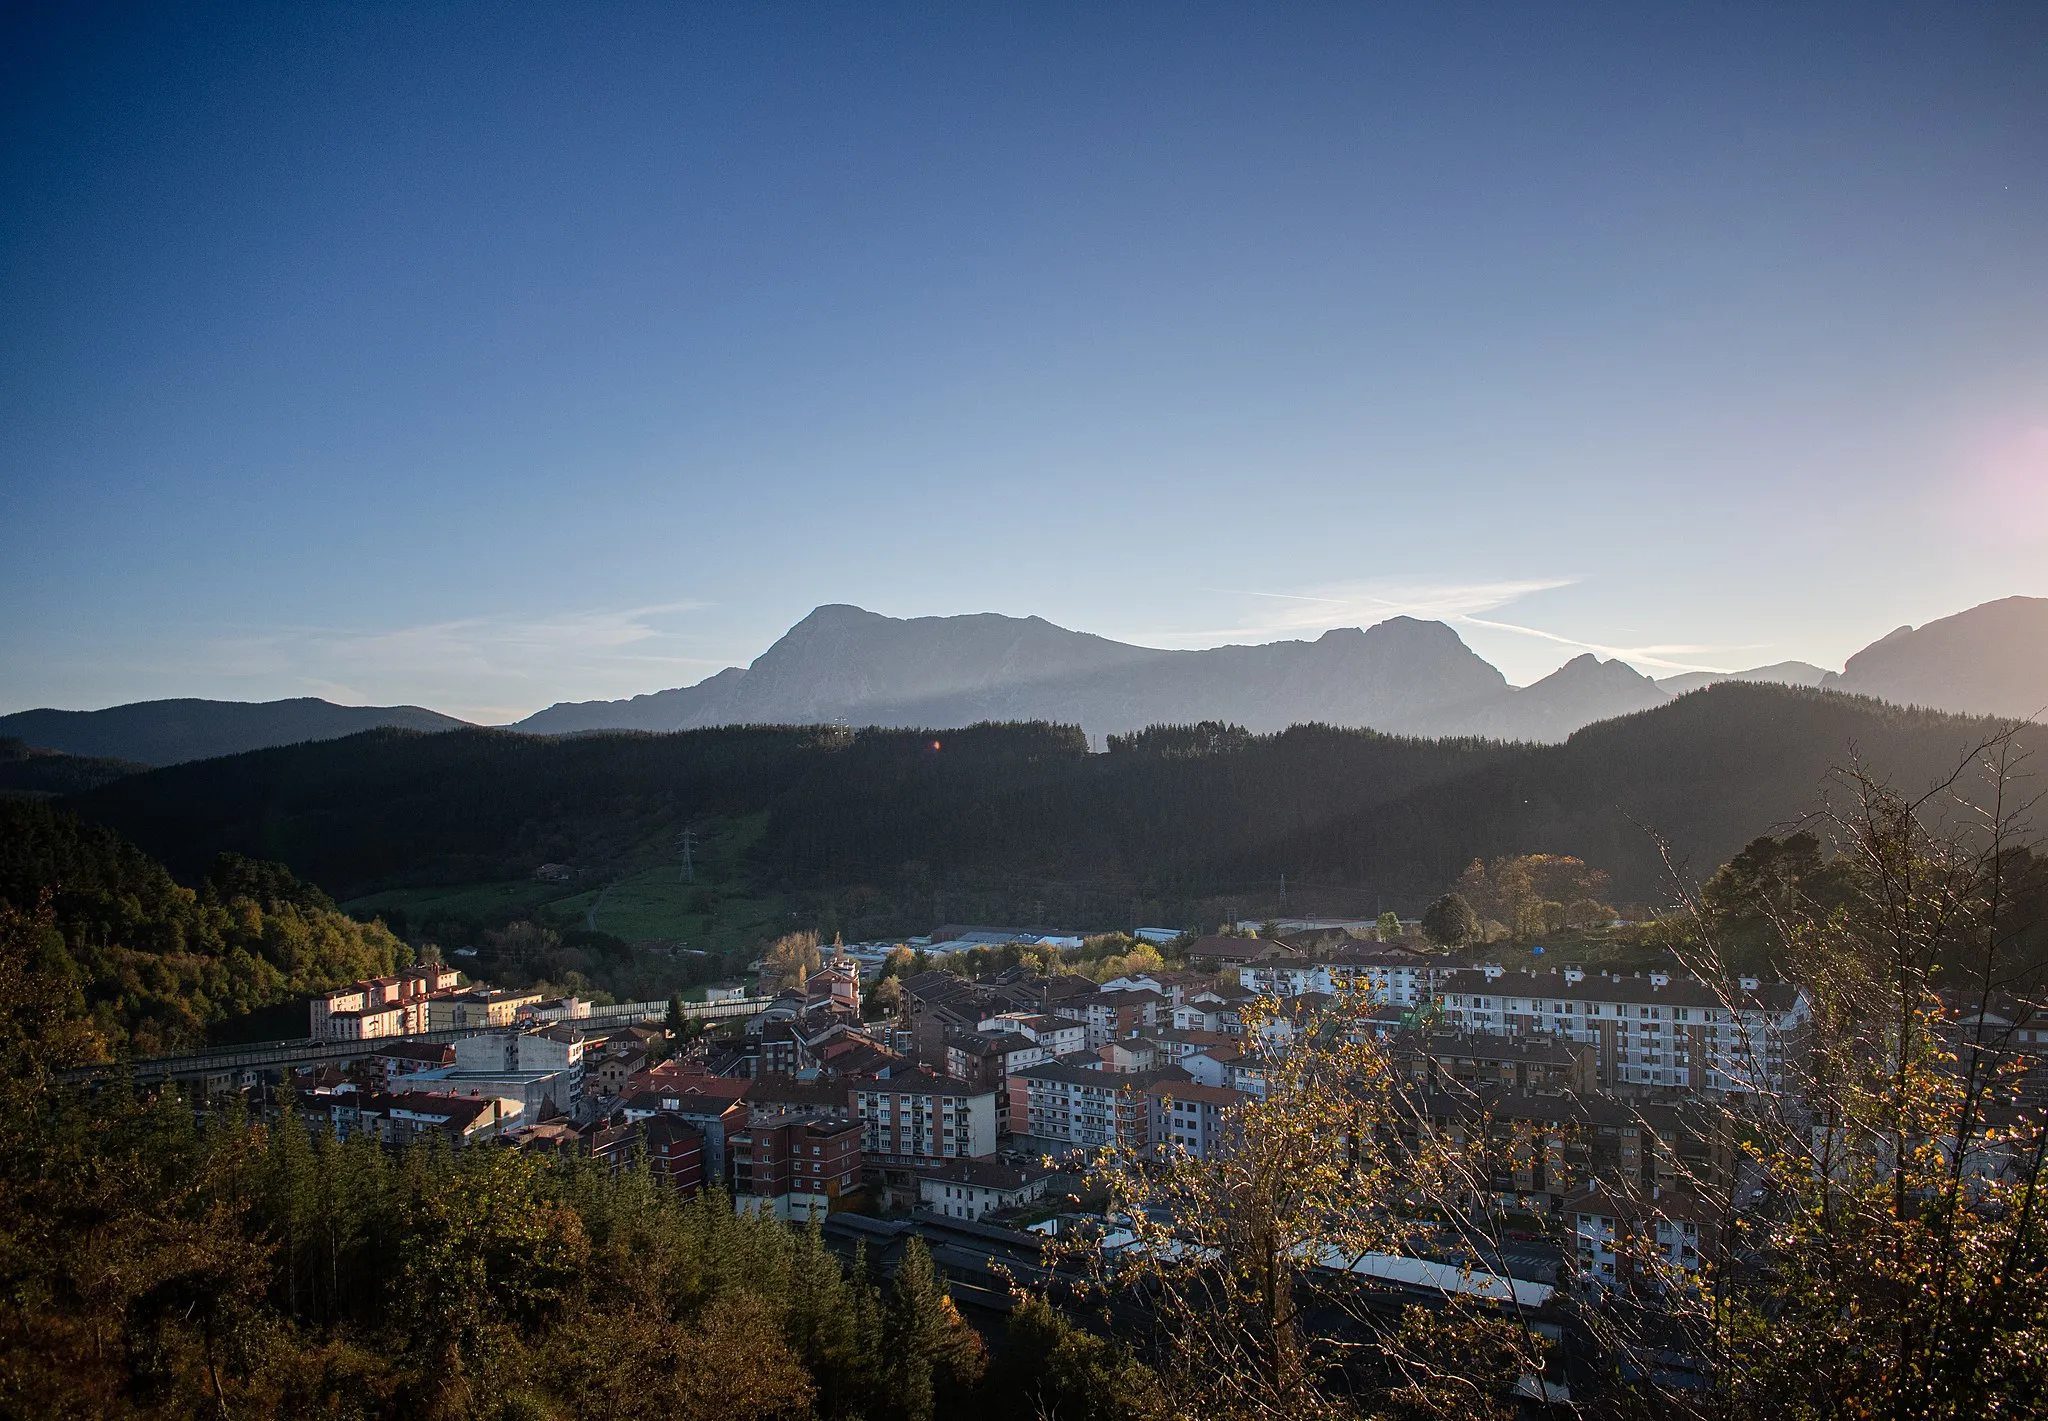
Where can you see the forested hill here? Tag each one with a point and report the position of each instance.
(1165, 814)
(150, 963)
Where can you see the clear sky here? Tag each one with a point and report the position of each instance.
(486, 356)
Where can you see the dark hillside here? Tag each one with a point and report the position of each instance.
(1164, 815)
(1706, 773)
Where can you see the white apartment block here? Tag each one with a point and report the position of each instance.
(1387, 976)
(1654, 1030)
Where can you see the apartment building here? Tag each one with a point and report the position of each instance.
(1547, 1064)
(1189, 1116)
(1110, 1015)
(1072, 1105)
(1648, 1031)
(795, 1166)
(1625, 1241)
(380, 1006)
(408, 1115)
(1388, 976)
(919, 1114)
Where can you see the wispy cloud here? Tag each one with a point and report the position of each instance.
(1312, 610)
(1347, 604)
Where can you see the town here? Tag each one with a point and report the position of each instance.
(983, 1100)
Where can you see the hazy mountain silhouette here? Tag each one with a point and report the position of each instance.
(168, 732)
(1782, 673)
(1990, 660)
(1581, 691)
(845, 664)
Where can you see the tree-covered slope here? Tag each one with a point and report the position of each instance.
(1164, 813)
(154, 962)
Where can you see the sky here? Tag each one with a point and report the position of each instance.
(485, 356)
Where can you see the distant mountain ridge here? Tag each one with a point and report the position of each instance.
(1403, 676)
(843, 663)
(1990, 660)
(170, 732)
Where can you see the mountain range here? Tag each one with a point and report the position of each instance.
(171, 732)
(1404, 676)
(842, 664)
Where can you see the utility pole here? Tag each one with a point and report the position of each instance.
(1283, 893)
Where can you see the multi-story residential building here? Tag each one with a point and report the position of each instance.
(795, 1166)
(1132, 1053)
(1387, 976)
(478, 1010)
(990, 1057)
(1538, 1150)
(1440, 1059)
(919, 1114)
(1110, 1015)
(714, 1114)
(1649, 1031)
(1072, 1105)
(380, 1006)
(968, 1189)
(1189, 1116)
(1214, 1009)
(1228, 1067)
(1627, 1240)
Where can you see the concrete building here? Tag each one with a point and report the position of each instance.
(919, 1114)
(1071, 1105)
(1191, 1117)
(1652, 1031)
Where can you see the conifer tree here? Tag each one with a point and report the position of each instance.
(932, 1352)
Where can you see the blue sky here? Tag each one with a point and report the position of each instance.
(482, 357)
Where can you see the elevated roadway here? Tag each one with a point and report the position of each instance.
(278, 1055)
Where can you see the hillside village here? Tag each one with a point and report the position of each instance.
(982, 1099)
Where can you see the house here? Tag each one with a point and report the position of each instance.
(795, 1166)
(408, 1115)
(1059, 1037)
(1191, 1117)
(919, 1114)
(972, 1188)
(622, 1060)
